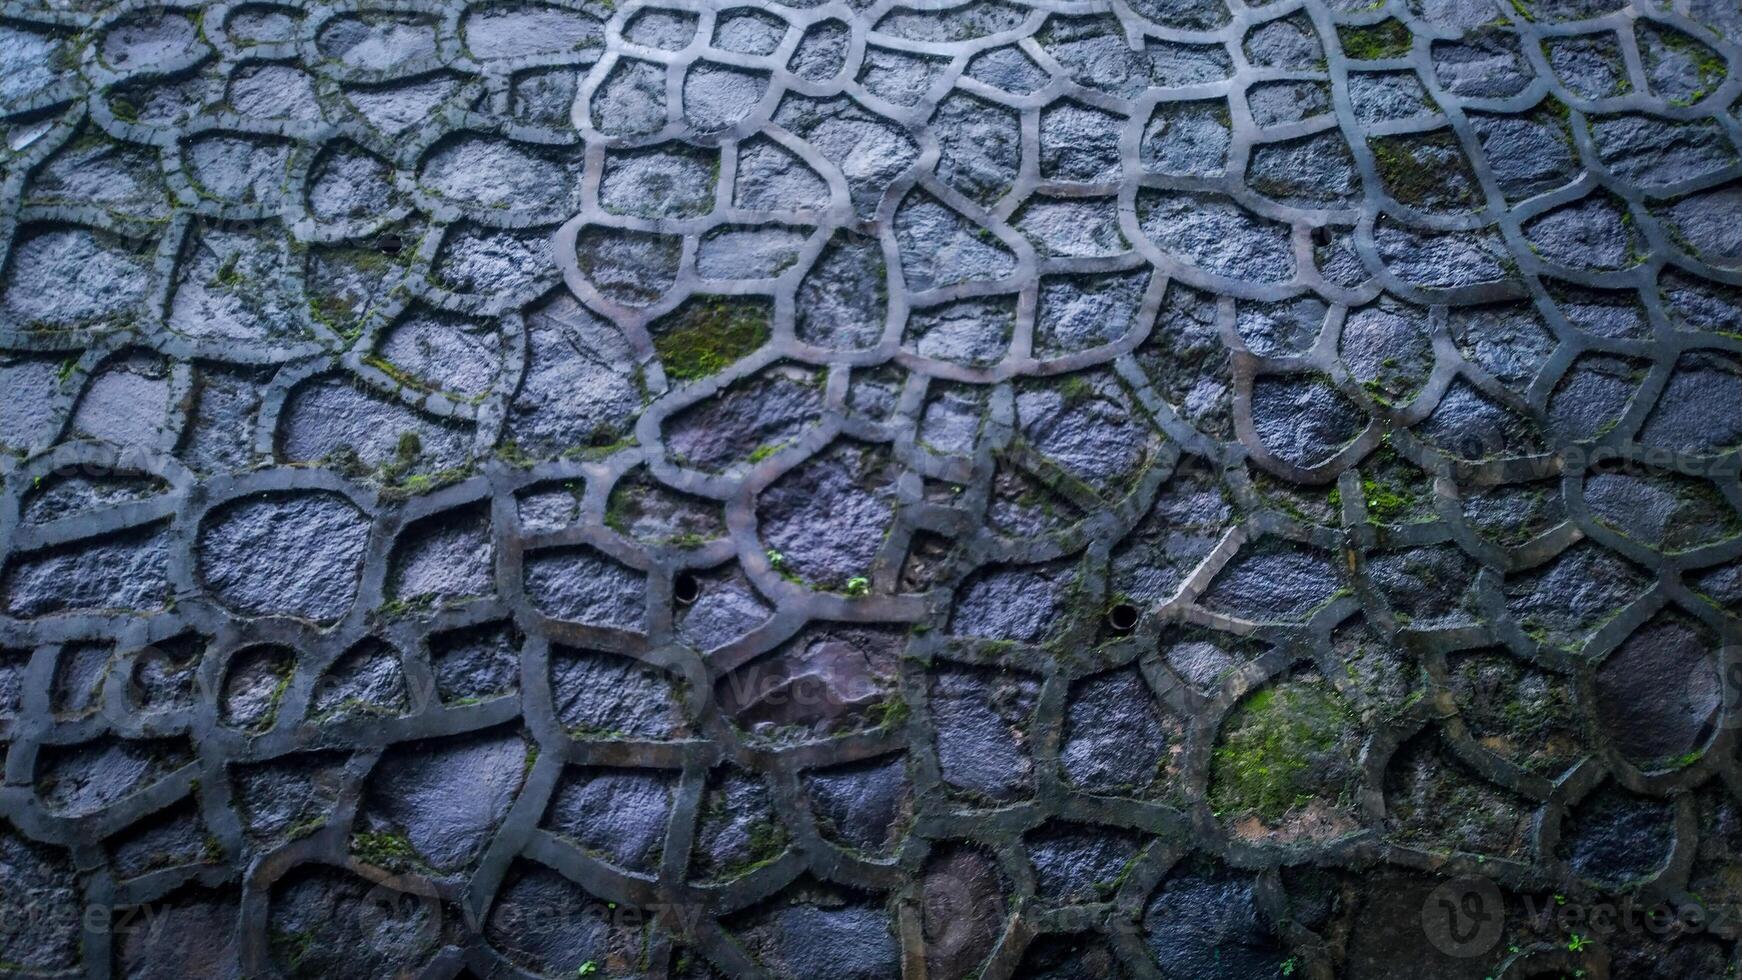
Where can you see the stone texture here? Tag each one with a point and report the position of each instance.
(1169, 488)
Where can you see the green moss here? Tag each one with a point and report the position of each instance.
(405, 455)
(277, 697)
(600, 449)
(292, 950)
(399, 376)
(1377, 390)
(305, 828)
(1395, 491)
(373, 260)
(1679, 762)
(1386, 39)
(1387, 502)
(767, 843)
(706, 335)
(1700, 514)
(891, 712)
(417, 484)
(339, 306)
(68, 54)
(335, 311)
(1311, 505)
(1537, 509)
(596, 732)
(1710, 65)
(767, 839)
(396, 476)
(626, 505)
(1403, 177)
(228, 274)
(1075, 388)
(383, 849)
(1267, 762)
(511, 453)
(1424, 171)
(397, 607)
(1554, 107)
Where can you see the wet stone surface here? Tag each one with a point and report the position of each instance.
(815, 489)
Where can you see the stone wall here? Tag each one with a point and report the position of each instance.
(1059, 488)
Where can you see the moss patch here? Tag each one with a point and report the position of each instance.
(706, 335)
(1394, 490)
(1386, 39)
(384, 850)
(767, 844)
(1425, 171)
(1272, 755)
(124, 109)
(1708, 64)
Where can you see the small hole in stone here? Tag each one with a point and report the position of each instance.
(1321, 237)
(686, 588)
(389, 244)
(1122, 617)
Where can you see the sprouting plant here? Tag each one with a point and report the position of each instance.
(775, 559)
(587, 969)
(858, 585)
